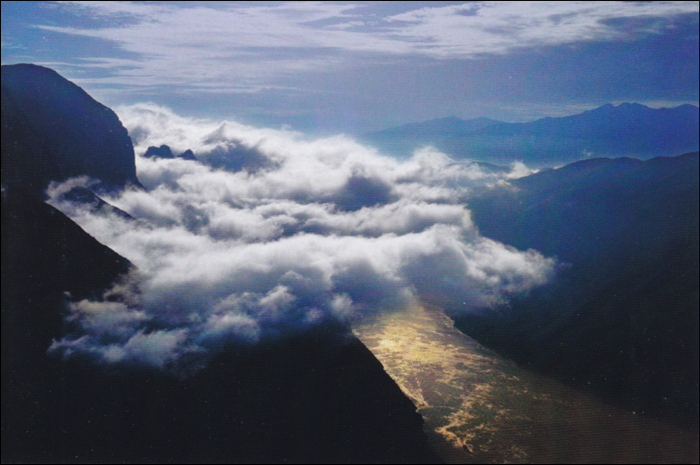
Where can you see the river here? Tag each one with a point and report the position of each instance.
(481, 408)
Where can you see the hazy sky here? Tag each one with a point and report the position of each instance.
(354, 67)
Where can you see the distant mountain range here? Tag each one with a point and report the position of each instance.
(631, 130)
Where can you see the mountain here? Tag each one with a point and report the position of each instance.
(44, 256)
(164, 152)
(53, 130)
(631, 130)
(402, 140)
(451, 126)
(621, 317)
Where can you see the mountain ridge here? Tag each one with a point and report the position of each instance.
(450, 123)
(628, 129)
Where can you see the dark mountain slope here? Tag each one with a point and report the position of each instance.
(621, 317)
(632, 130)
(45, 255)
(53, 130)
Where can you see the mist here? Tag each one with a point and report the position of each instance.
(269, 233)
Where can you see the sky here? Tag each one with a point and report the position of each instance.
(341, 67)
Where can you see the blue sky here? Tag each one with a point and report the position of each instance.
(325, 67)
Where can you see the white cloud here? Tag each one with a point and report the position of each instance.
(498, 27)
(209, 47)
(322, 229)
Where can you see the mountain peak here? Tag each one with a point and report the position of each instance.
(53, 130)
(25, 68)
(631, 105)
(625, 106)
(451, 118)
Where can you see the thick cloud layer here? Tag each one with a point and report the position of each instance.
(272, 233)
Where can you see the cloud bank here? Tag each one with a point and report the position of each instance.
(270, 233)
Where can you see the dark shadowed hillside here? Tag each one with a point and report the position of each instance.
(621, 318)
(53, 130)
(631, 130)
(44, 256)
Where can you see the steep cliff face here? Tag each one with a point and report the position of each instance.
(53, 130)
(45, 257)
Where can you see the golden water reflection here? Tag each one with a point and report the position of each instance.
(481, 408)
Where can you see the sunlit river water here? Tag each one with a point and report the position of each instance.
(481, 408)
